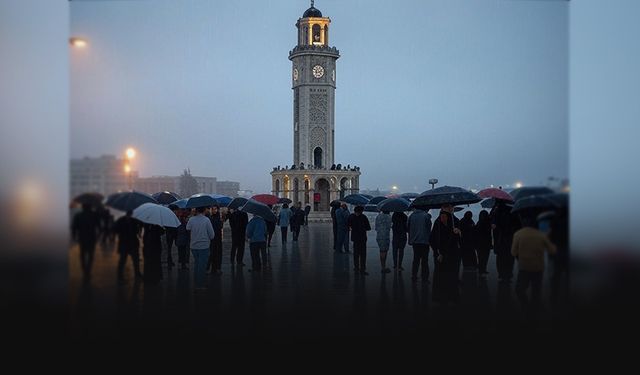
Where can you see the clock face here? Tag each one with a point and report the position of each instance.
(318, 71)
(295, 74)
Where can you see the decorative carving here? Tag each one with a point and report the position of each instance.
(318, 109)
(318, 136)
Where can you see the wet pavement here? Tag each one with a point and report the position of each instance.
(309, 293)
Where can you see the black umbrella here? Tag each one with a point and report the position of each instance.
(256, 208)
(284, 200)
(445, 195)
(559, 200)
(356, 199)
(532, 203)
(368, 196)
(336, 203)
(201, 200)
(527, 191)
(371, 208)
(128, 200)
(394, 205)
(409, 195)
(166, 197)
(376, 200)
(92, 199)
(237, 203)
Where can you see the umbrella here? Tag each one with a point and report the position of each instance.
(223, 200)
(266, 198)
(559, 200)
(376, 200)
(496, 194)
(128, 200)
(394, 205)
(532, 203)
(371, 208)
(336, 203)
(258, 208)
(357, 199)
(527, 191)
(152, 213)
(237, 203)
(166, 197)
(368, 196)
(92, 199)
(182, 203)
(488, 203)
(201, 200)
(285, 200)
(409, 195)
(444, 195)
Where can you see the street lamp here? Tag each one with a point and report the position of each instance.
(433, 182)
(130, 153)
(78, 42)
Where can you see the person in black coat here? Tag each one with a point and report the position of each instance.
(170, 235)
(152, 250)
(238, 222)
(334, 224)
(85, 230)
(183, 239)
(271, 228)
(399, 230)
(307, 209)
(444, 240)
(467, 242)
(297, 219)
(215, 257)
(483, 241)
(505, 224)
(359, 225)
(128, 230)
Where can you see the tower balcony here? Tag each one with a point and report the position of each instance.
(314, 50)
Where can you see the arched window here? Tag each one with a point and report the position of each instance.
(317, 39)
(343, 187)
(306, 35)
(317, 157)
(295, 190)
(277, 188)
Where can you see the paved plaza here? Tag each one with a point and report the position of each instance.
(309, 293)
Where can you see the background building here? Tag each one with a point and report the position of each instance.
(105, 175)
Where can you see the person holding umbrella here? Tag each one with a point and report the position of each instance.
(359, 225)
(152, 250)
(170, 236)
(297, 220)
(504, 226)
(85, 230)
(271, 228)
(444, 239)
(483, 241)
(182, 241)
(128, 230)
(383, 227)
(257, 237)
(201, 232)
(238, 221)
(307, 209)
(400, 229)
(215, 257)
(342, 228)
(419, 230)
(283, 221)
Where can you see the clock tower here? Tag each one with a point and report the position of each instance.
(314, 178)
(314, 83)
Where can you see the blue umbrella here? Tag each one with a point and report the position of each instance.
(357, 199)
(201, 200)
(223, 200)
(237, 203)
(182, 203)
(128, 200)
(257, 208)
(394, 205)
(445, 195)
(376, 200)
(166, 197)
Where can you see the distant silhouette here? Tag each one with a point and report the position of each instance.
(342, 229)
(359, 225)
(215, 256)
(170, 236)
(444, 239)
(85, 230)
(182, 242)
(307, 210)
(128, 230)
(383, 227)
(399, 228)
(271, 228)
(297, 220)
(238, 221)
(483, 241)
(467, 242)
(152, 250)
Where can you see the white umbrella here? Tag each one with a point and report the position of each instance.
(152, 213)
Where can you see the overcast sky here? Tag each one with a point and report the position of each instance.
(470, 92)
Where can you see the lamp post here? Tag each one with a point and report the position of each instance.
(433, 183)
(130, 153)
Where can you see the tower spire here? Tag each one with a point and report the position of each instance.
(312, 3)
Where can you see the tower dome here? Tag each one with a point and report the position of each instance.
(312, 12)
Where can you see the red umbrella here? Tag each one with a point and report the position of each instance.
(266, 199)
(495, 193)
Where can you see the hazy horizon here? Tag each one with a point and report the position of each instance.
(471, 93)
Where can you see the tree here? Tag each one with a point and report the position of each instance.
(188, 184)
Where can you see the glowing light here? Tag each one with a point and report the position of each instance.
(394, 187)
(131, 153)
(78, 42)
(127, 168)
(518, 185)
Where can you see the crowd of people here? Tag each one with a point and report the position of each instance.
(455, 244)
